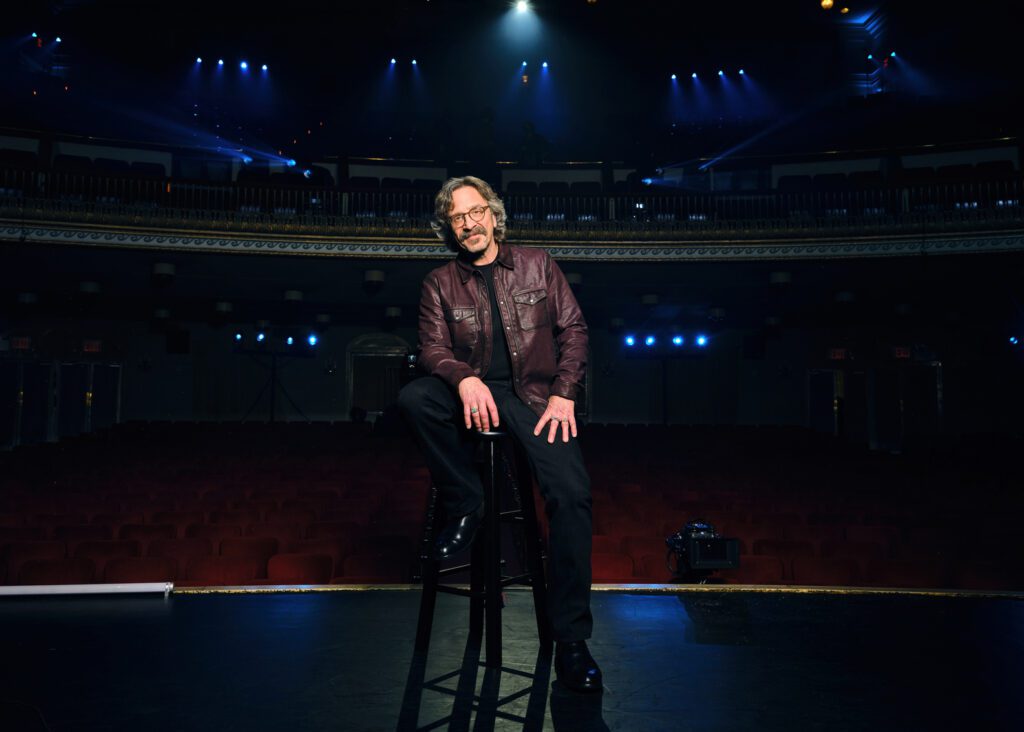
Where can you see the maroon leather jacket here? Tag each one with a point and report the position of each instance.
(546, 333)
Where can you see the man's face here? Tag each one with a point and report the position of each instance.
(475, 237)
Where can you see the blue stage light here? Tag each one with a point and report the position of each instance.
(394, 61)
(264, 67)
(290, 163)
(892, 55)
(650, 340)
(871, 57)
(1014, 341)
(290, 341)
(630, 341)
(307, 173)
(199, 59)
(524, 64)
(673, 77)
(414, 62)
(721, 73)
(312, 340)
(260, 337)
(59, 39)
(246, 159)
(702, 340)
(220, 62)
(742, 72)
(693, 75)
(244, 65)
(522, 6)
(677, 340)
(238, 337)
(35, 35)
(544, 65)
(646, 181)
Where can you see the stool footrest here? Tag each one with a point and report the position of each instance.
(519, 579)
(461, 591)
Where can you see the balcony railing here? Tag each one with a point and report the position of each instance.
(651, 214)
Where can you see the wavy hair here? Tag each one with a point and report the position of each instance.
(443, 204)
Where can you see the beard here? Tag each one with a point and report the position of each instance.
(473, 256)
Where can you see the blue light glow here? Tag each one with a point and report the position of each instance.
(871, 57)
(35, 35)
(693, 75)
(246, 159)
(892, 55)
(524, 64)
(673, 77)
(677, 340)
(414, 62)
(238, 337)
(1014, 341)
(630, 341)
(244, 65)
(290, 163)
(647, 181)
(59, 39)
(264, 67)
(702, 340)
(260, 337)
(650, 340)
(312, 340)
(544, 65)
(199, 59)
(394, 61)
(307, 173)
(522, 6)
(721, 73)
(290, 341)
(742, 72)
(220, 62)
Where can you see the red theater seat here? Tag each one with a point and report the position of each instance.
(642, 546)
(337, 548)
(605, 544)
(140, 569)
(77, 571)
(377, 567)
(215, 533)
(652, 568)
(781, 548)
(254, 547)
(16, 553)
(182, 550)
(300, 569)
(831, 571)
(100, 552)
(611, 568)
(75, 535)
(145, 533)
(756, 570)
(224, 570)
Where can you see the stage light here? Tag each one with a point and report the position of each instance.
(220, 62)
(260, 337)
(522, 6)
(238, 337)
(742, 72)
(827, 4)
(246, 159)
(544, 65)
(524, 64)
(650, 340)
(673, 77)
(290, 163)
(307, 173)
(244, 65)
(647, 181)
(871, 57)
(59, 39)
(1014, 341)
(394, 61)
(290, 341)
(312, 340)
(414, 62)
(721, 73)
(677, 340)
(892, 55)
(702, 340)
(199, 59)
(693, 75)
(630, 341)
(264, 67)
(35, 35)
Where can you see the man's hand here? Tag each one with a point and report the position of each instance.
(478, 405)
(560, 411)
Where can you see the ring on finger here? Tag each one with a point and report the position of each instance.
(474, 410)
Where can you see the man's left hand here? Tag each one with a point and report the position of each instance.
(560, 411)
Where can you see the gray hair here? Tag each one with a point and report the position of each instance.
(443, 204)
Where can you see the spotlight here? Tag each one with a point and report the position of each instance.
(238, 337)
(677, 340)
(721, 73)
(246, 159)
(1014, 340)
(58, 39)
(630, 341)
(522, 6)
(673, 77)
(647, 181)
(35, 35)
(891, 55)
(244, 65)
(650, 340)
(702, 340)
(312, 340)
(693, 75)
(290, 341)
(220, 62)
(871, 57)
(199, 59)
(544, 65)
(290, 163)
(264, 67)
(524, 64)
(742, 72)
(260, 337)
(414, 62)
(307, 173)
(394, 61)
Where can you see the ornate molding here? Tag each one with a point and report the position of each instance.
(428, 248)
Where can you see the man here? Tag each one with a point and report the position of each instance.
(505, 344)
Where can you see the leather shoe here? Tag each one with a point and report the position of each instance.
(458, 534)
(576, 668)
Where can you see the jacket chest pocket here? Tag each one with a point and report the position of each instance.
(531, 308)
(463, 325)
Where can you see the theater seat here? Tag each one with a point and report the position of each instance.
(388, 567)
(300, 569)
(100, 552)
(611, 568)
(212, 571)
(830, 571)
(337, 548)
(16, 553)
(255, 547)
(756, 570)
(181, 550)
(141, 569)
(76, 571)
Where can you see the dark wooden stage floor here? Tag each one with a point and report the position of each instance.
(704, 659)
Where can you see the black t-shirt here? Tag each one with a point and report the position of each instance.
(500, 369)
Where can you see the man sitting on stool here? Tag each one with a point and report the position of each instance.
(505, 343)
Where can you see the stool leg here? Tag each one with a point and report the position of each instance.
(430, 567)
(534, 550)
(493, 543)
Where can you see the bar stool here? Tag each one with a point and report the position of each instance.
(486, 565)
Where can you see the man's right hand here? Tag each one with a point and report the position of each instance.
(478, 405)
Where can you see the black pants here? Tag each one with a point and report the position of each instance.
(435, 413)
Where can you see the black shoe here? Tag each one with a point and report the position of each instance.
(458, 534)
(576, 668)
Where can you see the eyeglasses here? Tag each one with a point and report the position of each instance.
(475, 214)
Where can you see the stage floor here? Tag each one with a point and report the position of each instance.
(703, 659)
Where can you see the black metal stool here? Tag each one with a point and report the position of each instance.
(486, 577)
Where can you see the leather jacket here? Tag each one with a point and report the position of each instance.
(544, 327)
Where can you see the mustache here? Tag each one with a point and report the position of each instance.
(472, 232)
